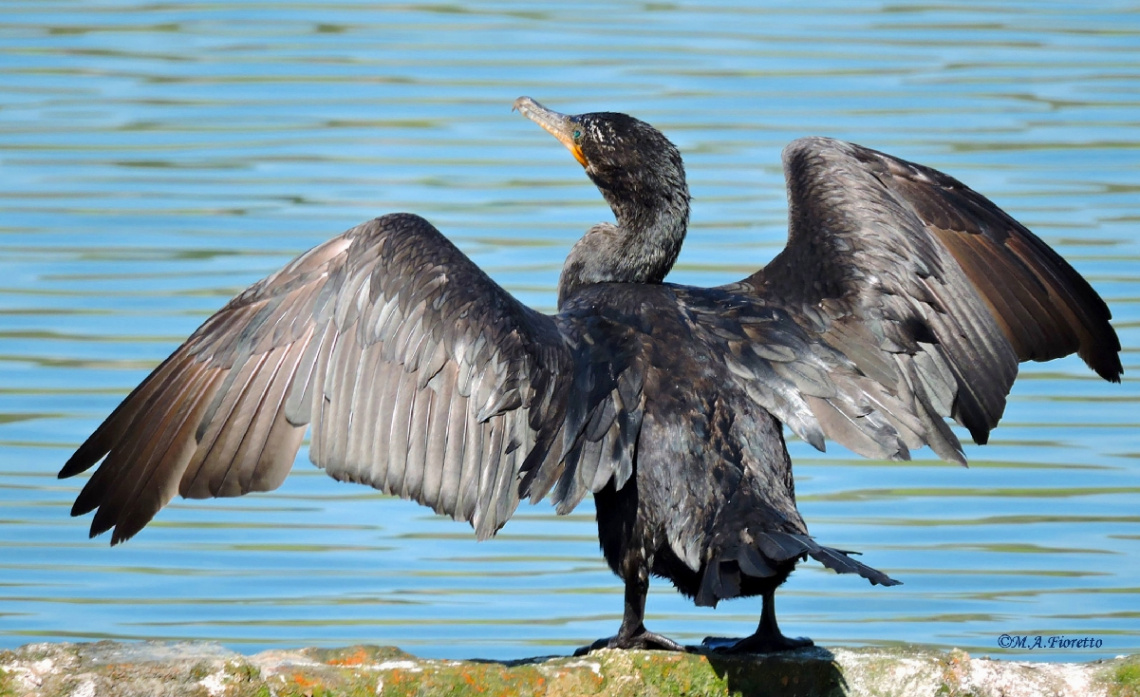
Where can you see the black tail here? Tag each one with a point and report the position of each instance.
(840, 561)
(771, 552)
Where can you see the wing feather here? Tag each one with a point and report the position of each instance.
(910, 294)
(417, 446)
(419, 375)
(402, 418)
(452, 470)
(360, 453)
(248, 462)
(435, 452)
(229, 416)
(149, 499)
(147, 438)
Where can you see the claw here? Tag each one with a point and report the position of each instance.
(644, 639)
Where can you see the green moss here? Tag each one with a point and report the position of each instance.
(325, 681)
(361, 654)
(1124, 680)
(6, 689)
(241, 672)
(683, 675)
(465, 679)
(244, 680)
(200, 670)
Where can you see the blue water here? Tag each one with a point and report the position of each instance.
(157, 158)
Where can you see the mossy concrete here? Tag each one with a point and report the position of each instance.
(206, 670)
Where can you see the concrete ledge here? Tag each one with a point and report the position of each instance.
(206, 670)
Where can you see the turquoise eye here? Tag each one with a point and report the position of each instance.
(577, 134)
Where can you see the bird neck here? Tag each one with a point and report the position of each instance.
(641, 248)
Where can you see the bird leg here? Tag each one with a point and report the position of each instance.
(767, 638)
(632, 634)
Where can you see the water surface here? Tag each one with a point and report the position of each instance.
(157, 158)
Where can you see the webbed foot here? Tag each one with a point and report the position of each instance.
(757, 643)
(767, 639)
(643, 639)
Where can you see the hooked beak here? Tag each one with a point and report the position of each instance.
(558, 125)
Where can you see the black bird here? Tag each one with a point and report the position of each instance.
(902, 297)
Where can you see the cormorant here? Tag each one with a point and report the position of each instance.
(902, 297)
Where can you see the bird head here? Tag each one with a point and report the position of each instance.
(630, 161)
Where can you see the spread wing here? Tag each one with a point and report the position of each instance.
(913, 298)
(419, 375)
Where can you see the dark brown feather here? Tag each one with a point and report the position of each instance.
(886, 257)
(350, 337)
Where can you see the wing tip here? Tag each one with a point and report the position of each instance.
(80, 461)
(1107, 365)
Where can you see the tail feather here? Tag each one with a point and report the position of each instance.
(752, 562)
(769, 552)
(838, 560)
(781, 546)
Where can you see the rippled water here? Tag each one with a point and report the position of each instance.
(157, 158)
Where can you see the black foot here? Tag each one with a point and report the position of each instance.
(757, 643)
(642, 640)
